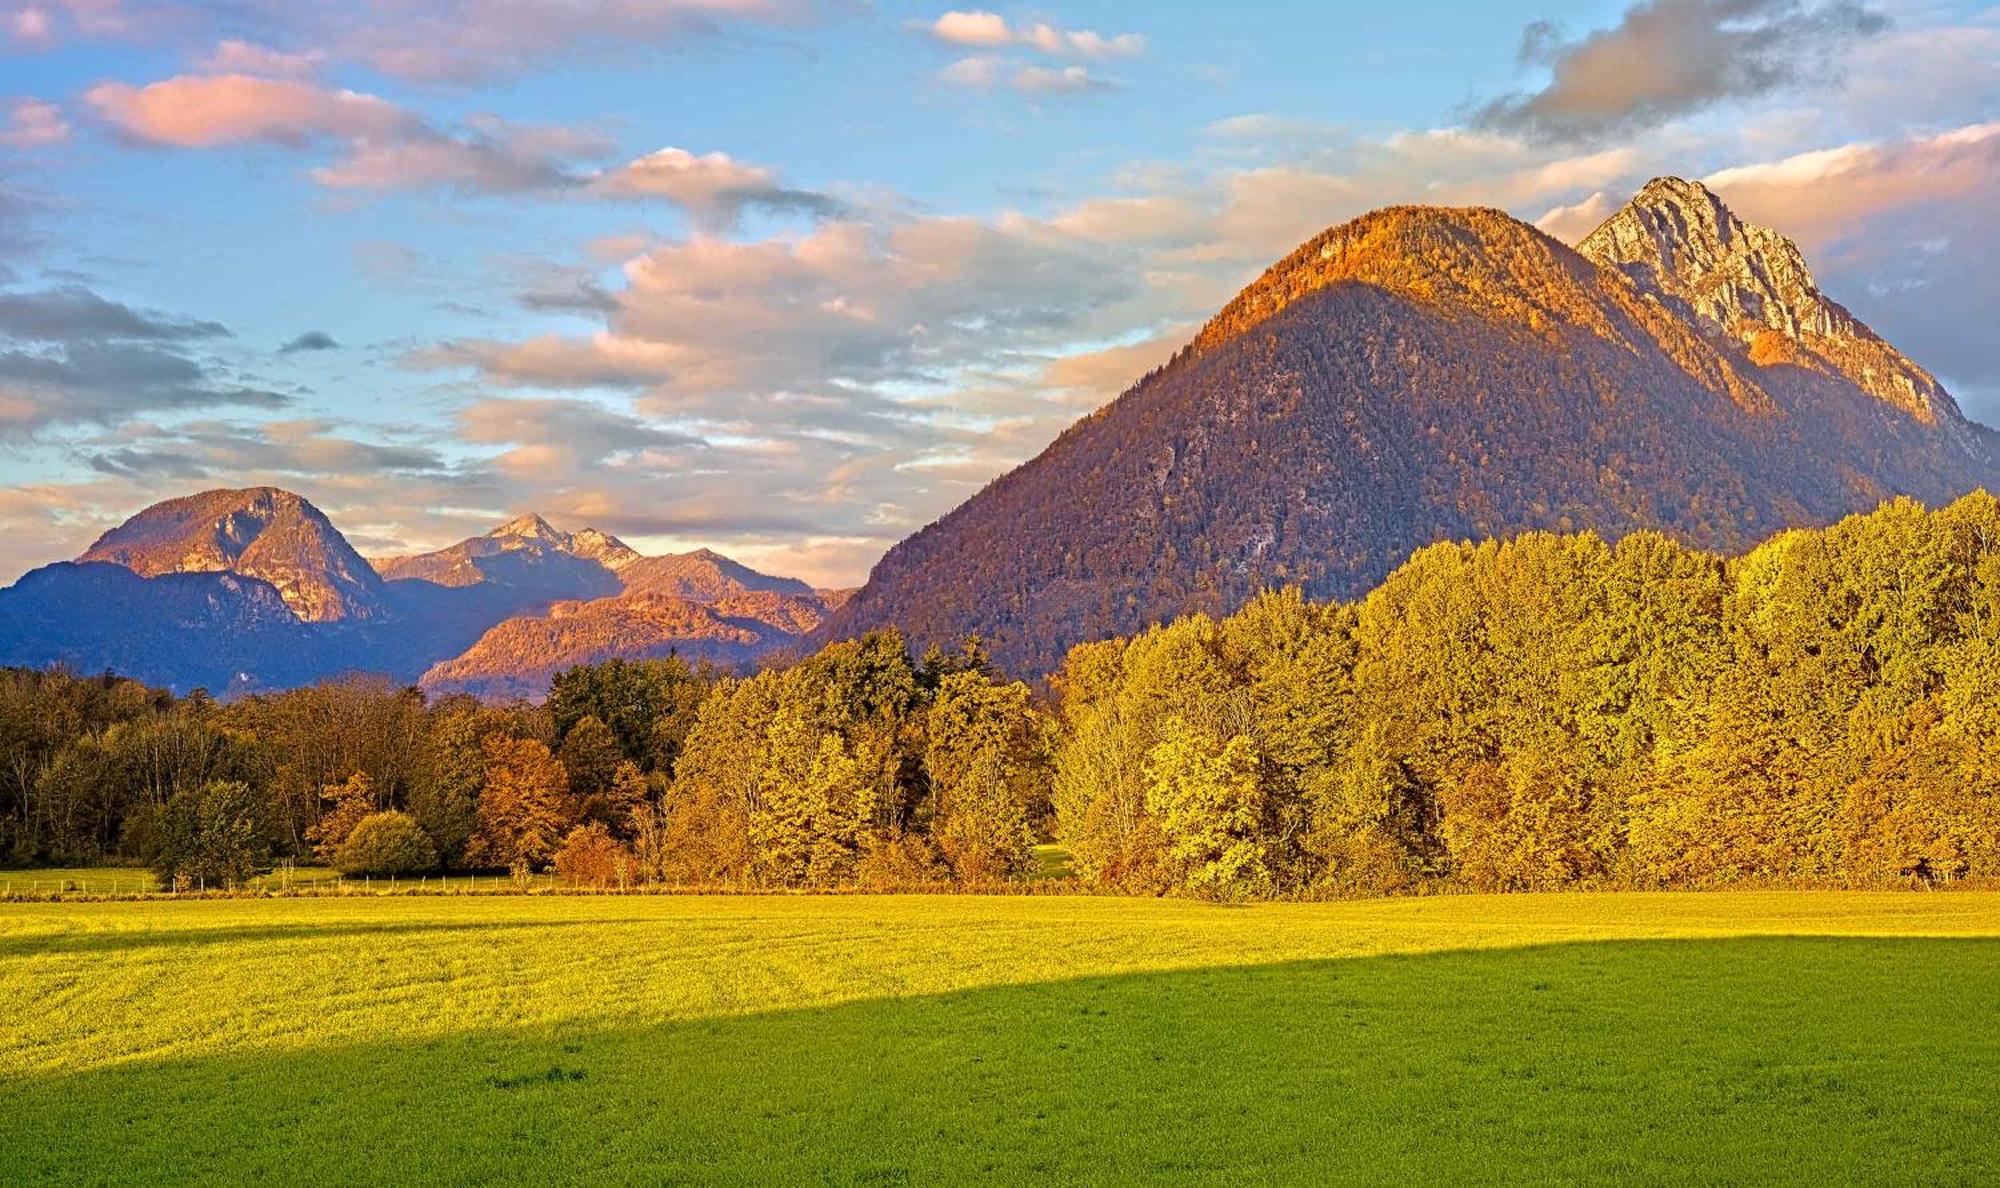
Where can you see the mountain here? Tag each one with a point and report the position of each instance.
(516, 658)
(705, 576)
(263, 533)
(1422, 374)
(699, 605)
(238, 591)
(526, 554)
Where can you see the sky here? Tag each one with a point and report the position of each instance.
(792, 278)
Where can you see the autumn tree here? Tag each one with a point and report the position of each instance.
(520, 820)
(1209, 797)
(986, 758)
(344, 806)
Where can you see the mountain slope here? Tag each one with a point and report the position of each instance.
(704, 575)
(699, 605)
(527, 554)
(1414, 375)
(263, 533)
(517, 658)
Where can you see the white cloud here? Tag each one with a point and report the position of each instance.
(990, 31)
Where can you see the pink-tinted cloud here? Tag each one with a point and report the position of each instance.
(191, 111)
(990, 31)
(235, 56)
(31, 25)
(1824, 197)
(386, 147)
(714, 188)
(33, 123)
(985, 72)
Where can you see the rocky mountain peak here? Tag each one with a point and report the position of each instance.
(265, 533)
(528, 527)
(1676, 239)
(602, 547)
(1680, 244)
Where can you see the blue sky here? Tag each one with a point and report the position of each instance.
(791, 278)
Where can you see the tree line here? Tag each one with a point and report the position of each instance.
(1548, 712)
(856, 765)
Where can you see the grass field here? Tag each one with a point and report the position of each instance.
(1799, 1037)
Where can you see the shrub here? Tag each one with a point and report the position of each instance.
(591, 857)
(386, 844)
(206, 836)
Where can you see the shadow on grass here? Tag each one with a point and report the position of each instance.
(1771, 1059)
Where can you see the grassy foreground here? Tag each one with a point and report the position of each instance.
(1720, 1037)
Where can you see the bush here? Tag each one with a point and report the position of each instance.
(205, 837)
(386, 844)
(591, 857)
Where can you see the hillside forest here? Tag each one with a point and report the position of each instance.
(1552, 711)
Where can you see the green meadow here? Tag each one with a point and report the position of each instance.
(1701, 1038)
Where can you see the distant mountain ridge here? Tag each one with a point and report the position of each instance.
(256, 588)
(1420, 374)
(526, 552)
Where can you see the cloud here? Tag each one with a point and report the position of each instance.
(235, 56)
(488, 156)
(192, 111)
(33, 123)
(1571, 222)
(311, 340)
(984, 72)
(280, 449)
(990, 31)
(100, 382)
(714, 188)
(464, 41)
(454, 42)
(1667, 58)
(562, 436)
(384, 147)
(75, 314)
(30, 25)
(1065, 80)
(69, 356)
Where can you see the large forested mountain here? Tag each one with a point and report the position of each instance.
(236, 591)
(1422, 374)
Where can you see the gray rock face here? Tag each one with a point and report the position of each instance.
(1678, 243)
(1677, 240)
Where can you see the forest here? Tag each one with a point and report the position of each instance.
(1548, 712)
